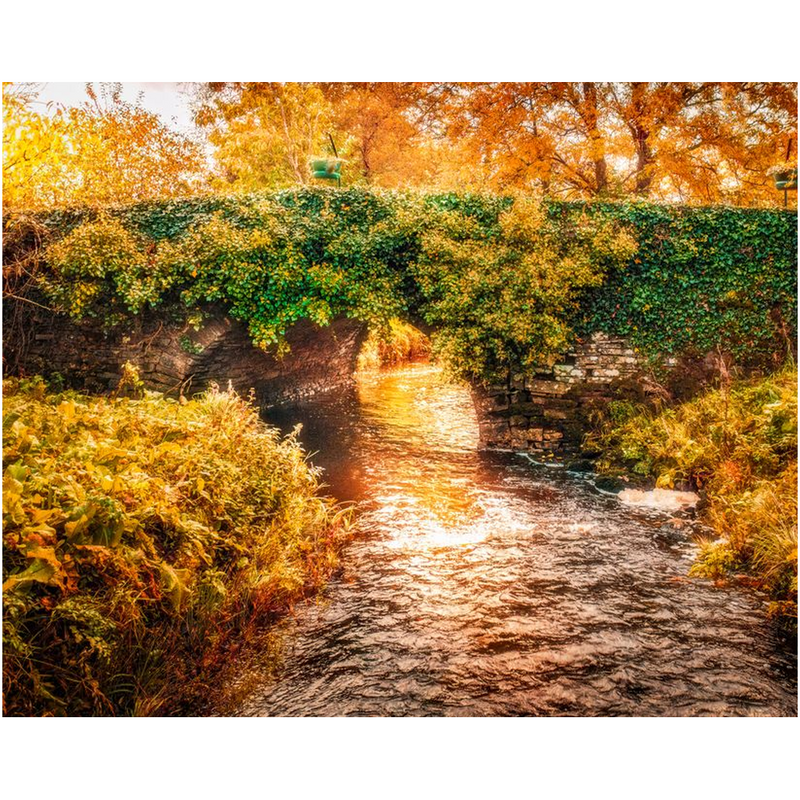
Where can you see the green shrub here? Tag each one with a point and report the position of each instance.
(505, 299)
(102, 269)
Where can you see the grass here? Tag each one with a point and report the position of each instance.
(142, 540)
(737, 444)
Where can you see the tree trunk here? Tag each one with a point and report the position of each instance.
(596, 143)
(641, 136)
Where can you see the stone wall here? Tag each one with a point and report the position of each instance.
(544, 411)
(547, 411)
(175, 358)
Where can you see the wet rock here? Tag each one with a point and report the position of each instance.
(608, 483)
(580, 465)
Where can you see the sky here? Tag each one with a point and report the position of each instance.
(165, 99)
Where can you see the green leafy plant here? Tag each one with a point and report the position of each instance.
(503, 298)
(101, 269)
(702, 279)
(188, 346)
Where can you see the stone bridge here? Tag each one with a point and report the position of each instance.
(543, 411)
(695, 269)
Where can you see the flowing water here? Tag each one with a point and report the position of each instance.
(482, 584)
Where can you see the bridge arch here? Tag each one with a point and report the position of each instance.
(539, 412)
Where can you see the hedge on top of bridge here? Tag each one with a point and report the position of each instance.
(506, 282)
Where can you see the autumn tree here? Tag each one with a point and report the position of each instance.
(693, 142)
(104, 151)
(33, 145)
(263, 134)
(702, 142)
(713, 143)
(383, 129)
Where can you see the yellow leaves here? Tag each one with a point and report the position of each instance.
(269, 133)
(13, 511)
(666, 480)
(167, 447)
(46, 554)
(99, 153)
(191, 503)
(39, 516)
(108, 451)
(75, 528)
(174, 584)
(20, 437)
(522, 223)
(107, 480)
(67, 410)
(13, 487)
(40, 570)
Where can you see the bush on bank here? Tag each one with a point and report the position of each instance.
(506, 282)
(140, 536)
(400, 344)
(738, 446)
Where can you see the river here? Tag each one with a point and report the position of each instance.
(484, 584)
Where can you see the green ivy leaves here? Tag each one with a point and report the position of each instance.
(506, 282)
(702, 278)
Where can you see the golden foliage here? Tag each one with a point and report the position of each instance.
(400, 344)
(263, 133)
(105, 151)
(701, 143)
(140, 535)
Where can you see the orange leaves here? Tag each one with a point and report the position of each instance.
(687, 142)
(700, 142)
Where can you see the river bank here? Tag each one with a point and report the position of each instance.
(737, 446)
(145, 541)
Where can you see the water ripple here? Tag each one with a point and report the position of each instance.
(481, 584)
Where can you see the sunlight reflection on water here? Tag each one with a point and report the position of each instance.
(481, 584)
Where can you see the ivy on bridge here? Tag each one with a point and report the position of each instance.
(505, 281)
